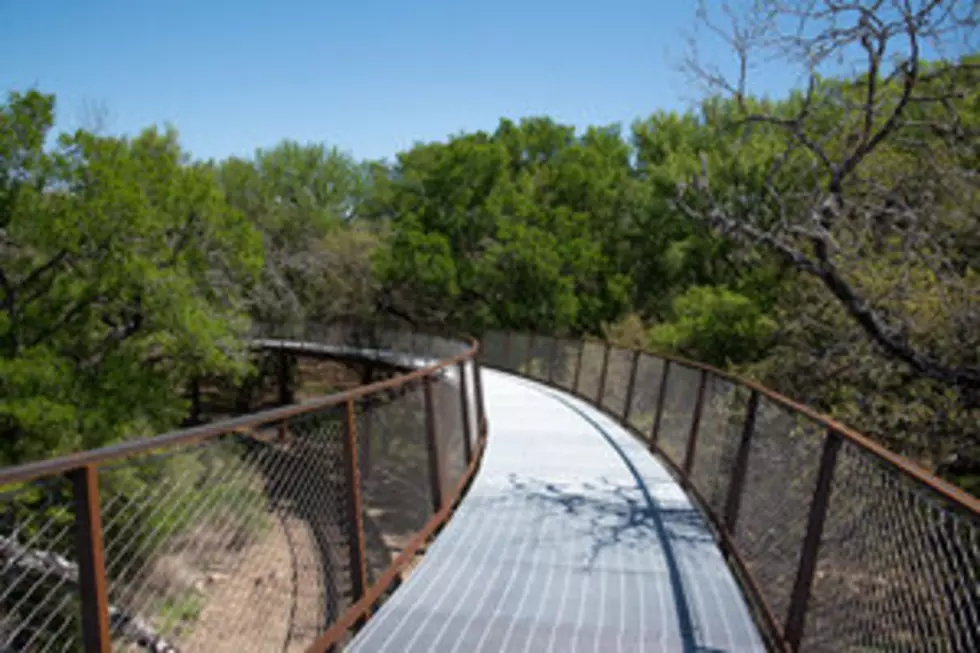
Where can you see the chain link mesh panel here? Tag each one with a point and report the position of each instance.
(39, 600)
(898, 570)
(617, 380)
(646, 389)
(395, 491)
(492, 349)
(519, 349)
(564, 361)
(214, 540)
(719, 432)
(678, 411)
(784, 457)
(449, 428)
(591, 369)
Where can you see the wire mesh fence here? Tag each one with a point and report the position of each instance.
(590, 370)
(840, 545)
(646, 389)
(39, 594)
(251, 534)
(397, 496)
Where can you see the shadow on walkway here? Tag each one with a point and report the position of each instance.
(626, 515)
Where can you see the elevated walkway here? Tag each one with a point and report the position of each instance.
(572, 538)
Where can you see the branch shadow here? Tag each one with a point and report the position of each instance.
(614, 514)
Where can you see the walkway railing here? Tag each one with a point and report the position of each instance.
(840, 545)
(262, 532)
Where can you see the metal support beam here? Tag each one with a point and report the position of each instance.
(602, 375)
(661, 396)
(733, 500)
(355, 508)
(796, 620)
(432, 442)
(692, 439)
(464, 400)
(628, 408)
(91, 560)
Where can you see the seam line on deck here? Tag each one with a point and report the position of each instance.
(686, 624)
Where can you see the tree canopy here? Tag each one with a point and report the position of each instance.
(780, 238)
(124, 272)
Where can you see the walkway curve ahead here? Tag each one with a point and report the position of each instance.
(572, 538)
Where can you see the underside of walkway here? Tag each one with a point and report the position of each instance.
(572, 538)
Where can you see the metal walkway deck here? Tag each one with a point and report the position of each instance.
(571, 538)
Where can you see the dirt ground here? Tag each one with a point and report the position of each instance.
(271, 600)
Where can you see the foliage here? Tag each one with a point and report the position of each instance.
(511, 229)
(123, 273)
(715, 325)
(128, 267)
(301, 198)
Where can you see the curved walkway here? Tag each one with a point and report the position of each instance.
(571, 538)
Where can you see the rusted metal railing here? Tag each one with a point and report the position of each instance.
(274, 529)
(838, 543)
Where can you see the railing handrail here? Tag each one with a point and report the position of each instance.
(906, 466)
(421, 368)
(798, 563)
(68, 462)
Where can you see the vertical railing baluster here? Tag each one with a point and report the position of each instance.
(733, 500)
(551, 360)
(481, 414)
(89, 549)
(602, 375)
(661, 397)
(432, 442)
(285, 387)
(530, 355)
(355, 509)
(796, 620)
(465, 408)
(692, 440)
(365, 433)
(628, 408)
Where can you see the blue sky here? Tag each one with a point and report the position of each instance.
(369, 76)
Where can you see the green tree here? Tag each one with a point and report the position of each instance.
(123, 274)
(516, 229)
(304, 199)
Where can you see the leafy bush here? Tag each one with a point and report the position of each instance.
(715, 325)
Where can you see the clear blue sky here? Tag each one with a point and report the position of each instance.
(369, 76)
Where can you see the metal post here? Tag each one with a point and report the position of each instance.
(365, 452)
(627, 409)
(530, 355)
(796, 620)
(465, 405)
(661, 396)
(692, 440)
(551, 360)
(481, 411)
(355, 511)
(733, 499)
(602, 375)
(432, 442)
(285, 390)
(91, 559)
